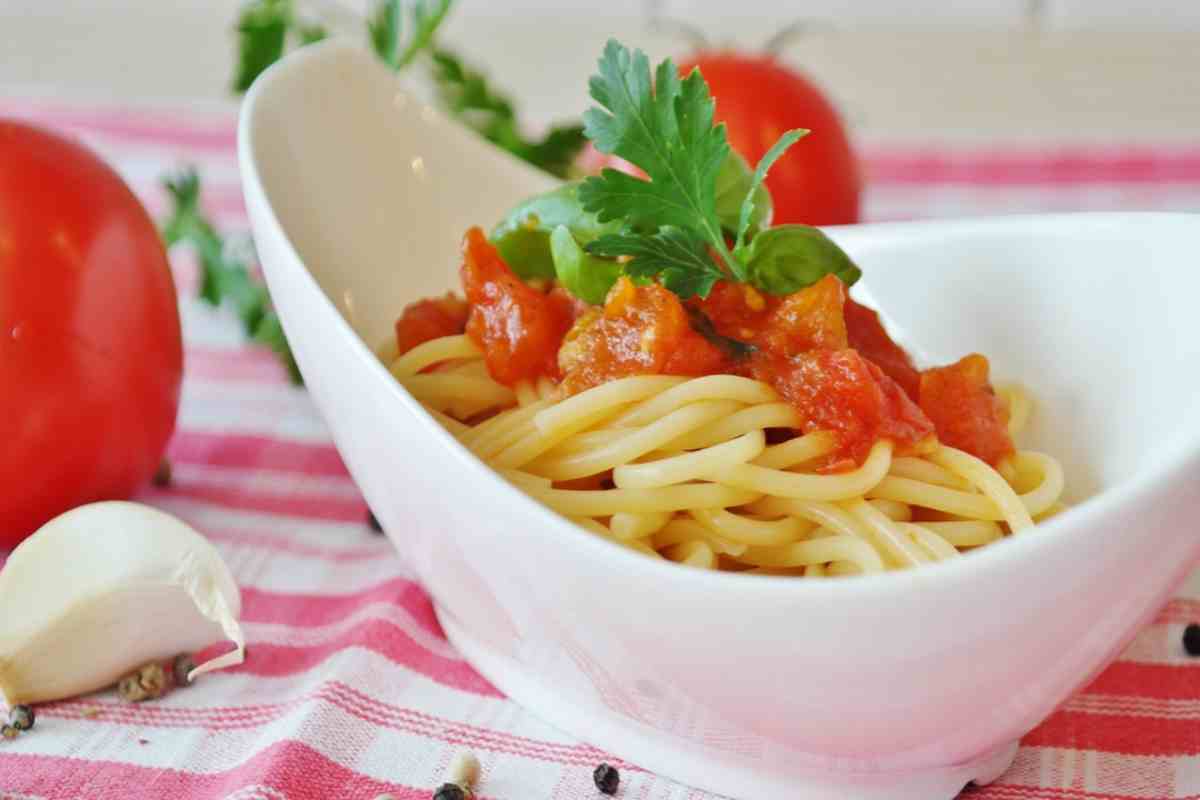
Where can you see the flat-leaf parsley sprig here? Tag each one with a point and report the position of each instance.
(665, 127)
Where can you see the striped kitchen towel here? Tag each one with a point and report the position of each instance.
(350, 689)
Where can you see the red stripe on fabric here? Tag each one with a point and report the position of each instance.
(291, 767)
(1161, 681)
(248, 363)
(308, 506)
(324, 609)
(1071, 166)
(1136, 736)
(250, 451)
(154, 129)
(377, 635)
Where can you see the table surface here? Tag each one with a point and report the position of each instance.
(350, 689)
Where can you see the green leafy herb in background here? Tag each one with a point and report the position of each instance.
(263, 30)
(673, 227)
(224, 276)
(466, 95)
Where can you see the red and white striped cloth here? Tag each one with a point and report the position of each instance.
(350, 689)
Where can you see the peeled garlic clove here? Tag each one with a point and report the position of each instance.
(103, 589)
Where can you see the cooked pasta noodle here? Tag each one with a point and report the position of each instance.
(684, 469)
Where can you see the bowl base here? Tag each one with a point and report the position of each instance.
(688, 763)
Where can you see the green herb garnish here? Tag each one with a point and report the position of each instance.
(264, 28)
(385, 26)
(466, 94)
(225, 276)
(672, 226)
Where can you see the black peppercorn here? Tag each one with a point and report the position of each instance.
(449, 791)
(607, 778)
(1191, 639)
(181, 667)
(373, 523)
(21, 717)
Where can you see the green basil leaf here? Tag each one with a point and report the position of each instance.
(733, 185)
(523, 236)
(786, 258)
(587, 277)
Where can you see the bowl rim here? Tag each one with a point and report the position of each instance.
(998, 557)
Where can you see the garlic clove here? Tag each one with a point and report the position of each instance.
(103, 589)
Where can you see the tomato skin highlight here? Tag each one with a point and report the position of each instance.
(817, 182)
(430, 319)
(518, 327)
(964, 407)
(91, 355)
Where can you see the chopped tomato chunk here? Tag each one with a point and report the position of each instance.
(805, 320)
(642, 330)
(430, 319)
(518, 327)
(867, 336)
(736, 310)
(840, 391)
(966, 411)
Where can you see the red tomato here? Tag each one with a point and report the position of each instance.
(816, 182)
(90, 351)
(518, 327)
(968, 414)
(430, 319)
(643, 330)
(840, 391)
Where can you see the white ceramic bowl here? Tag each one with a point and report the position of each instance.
(905, 685)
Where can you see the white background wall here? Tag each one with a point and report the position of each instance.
(920, 69)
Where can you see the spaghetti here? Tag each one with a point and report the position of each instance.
(683, 468)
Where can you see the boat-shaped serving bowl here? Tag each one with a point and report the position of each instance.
(905, 685)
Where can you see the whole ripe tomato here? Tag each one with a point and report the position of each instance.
(90, 350)
(817, 181)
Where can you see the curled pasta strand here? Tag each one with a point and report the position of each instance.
(426, 354)
(797, 451)
(613, 395)
(709, 387)
(637, 441)
(747, 530)
(816, 551)
(691, 465)
(989, 482)
(779, 483)
(768, 415)
(632, 525)
(606, 502)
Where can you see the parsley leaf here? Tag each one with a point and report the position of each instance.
(466, 94)
(225, 276)
(665, 128)
(262, 30)
(383, 26)
(677, 256)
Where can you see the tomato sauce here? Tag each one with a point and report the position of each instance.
(430, 319)
(968, 414)
(518, 327)
(825, 354)
(642, 330)
(867, 336)
(843, 392)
